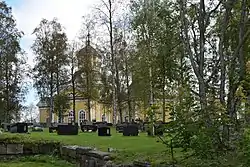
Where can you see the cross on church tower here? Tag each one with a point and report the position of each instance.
(88, 39)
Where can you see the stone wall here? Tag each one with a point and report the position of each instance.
(28, 148)
(89, 157)
(81, 156)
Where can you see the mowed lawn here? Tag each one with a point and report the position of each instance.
(36, 161)
(128, 148)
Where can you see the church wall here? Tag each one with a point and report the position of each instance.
(97, 111)
(43, 114)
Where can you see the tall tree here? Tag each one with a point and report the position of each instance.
(107, 13)
(12, 61)
(50, 47)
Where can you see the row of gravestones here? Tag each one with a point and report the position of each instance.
(103, 128)
(132, 129)
(73, 129)
(21, 127)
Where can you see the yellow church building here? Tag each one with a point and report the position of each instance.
(98, 111)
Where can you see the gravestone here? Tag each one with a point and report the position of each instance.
(67, 129)
(119, 127)
(37, 128)
(19, 128)
(52, 127)
(88, 126)
(131, 130)
(104, 131)
(109, 124)
(158, 130)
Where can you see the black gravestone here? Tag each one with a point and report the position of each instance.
(104, 131)
(158, 130)
(119, 127)
(87, 128)
(52, 127)
(131, 130)
(109, 124)
(37, 128)
(67, 129)
(19, 128)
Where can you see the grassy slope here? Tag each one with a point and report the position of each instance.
(139, 147)
(37, 161)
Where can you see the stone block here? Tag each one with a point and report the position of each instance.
(46, 148)
(99, 154)
(83, 150)
(3, 149)
(109, 164)
(13, 149)
(69, 151)
(92, 163)
(30, 148)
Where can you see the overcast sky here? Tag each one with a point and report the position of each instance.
(28, 14)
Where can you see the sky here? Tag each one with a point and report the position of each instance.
(29, 13)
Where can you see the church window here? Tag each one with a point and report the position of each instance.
(70, 117)
(82, 116)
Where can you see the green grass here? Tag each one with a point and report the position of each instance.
(36, 161)
(139, 147)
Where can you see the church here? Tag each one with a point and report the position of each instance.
(89, 58)
(98, 111)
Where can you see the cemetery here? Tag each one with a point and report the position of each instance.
(133, 83)
(132, 145)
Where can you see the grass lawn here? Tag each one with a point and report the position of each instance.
(36, 161)
(139, 147)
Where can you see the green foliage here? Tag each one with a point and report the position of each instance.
(61, 103)
(50, 48)
(132, 148)
(38, 161)
(13, 66)
(19, 139)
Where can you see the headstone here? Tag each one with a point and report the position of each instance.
(88, 128)
(37, 128)
(52, 128)
(158, 130)
(19, 128)
(104, 131)
(109, 124)
(120, 127)
(67, 129)
(131, 130)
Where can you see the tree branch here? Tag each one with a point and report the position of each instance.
(211, 12)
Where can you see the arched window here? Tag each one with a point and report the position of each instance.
(70, 117)
(82, 116)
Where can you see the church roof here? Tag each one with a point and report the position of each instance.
(88, 49)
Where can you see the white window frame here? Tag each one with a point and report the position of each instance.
(81, 116)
